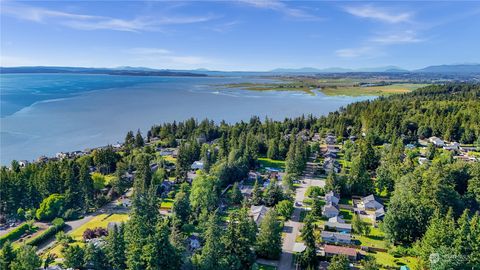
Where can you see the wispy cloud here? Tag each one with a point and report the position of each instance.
(280, 6)
(161, 55)
(91, 22)
(224, 27)
(398, 38)
(354, 52)
(380, 14)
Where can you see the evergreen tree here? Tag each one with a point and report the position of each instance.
(339, 262)
(139, 140)
(269, 239)
(181, 208)
(236, 196)
(73, 255)
(308, 258)
(239, 240)
(256, 194)
(158, 252)
(94, 258)
(115, 248)
(7, 255)
(212, 253)
(26, 259)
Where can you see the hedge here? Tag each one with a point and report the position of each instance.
(14, 234)
(57, 226)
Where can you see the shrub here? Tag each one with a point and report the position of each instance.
(95, 233)
(15, 233)
(314, 192)
(57, 225)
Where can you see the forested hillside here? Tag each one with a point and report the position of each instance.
(431, 207)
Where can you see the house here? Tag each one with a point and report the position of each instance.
(422, 160)
(253, 176)
(410, 146)
(330, 139)
(23, 163)
(330, 154)
(454, 146)
(246, 191)
(331, 197)
(329, 210)
(369, 203)
(336, 237)
(166, 152)
(436, 141)
(197, 165)
(331, 165)
(316, 137)
(379, 214)
(191, 176)
(331, 251)
(352, 138)
(153, 167)
(337, 226)
(193, 242)
(258, 213)
(336, 219)
(61, 155)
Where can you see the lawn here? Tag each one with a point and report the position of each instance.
(266, 267)
(101, 220)
(386, 259)
(170, 159)
(272, 163)
(346, 214)
(376, 239)
(167, 204)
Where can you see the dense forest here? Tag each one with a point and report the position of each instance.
(430, 208)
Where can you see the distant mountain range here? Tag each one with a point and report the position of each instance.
(131, 71)
(461, 68)
(144, 71)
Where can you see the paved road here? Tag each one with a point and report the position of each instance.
(293, 226)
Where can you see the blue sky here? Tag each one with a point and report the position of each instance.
(239, 35)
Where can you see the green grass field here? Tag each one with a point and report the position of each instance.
(267, 162)
(266, 267)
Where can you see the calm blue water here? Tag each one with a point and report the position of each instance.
(42, 114)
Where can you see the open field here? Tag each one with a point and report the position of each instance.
(331, 87)
(371, 90)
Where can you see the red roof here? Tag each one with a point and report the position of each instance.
(340, 250)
